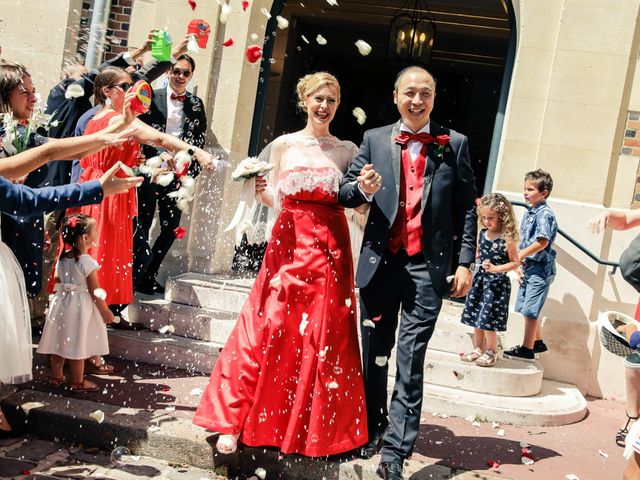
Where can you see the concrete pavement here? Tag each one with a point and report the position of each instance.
(149, 409)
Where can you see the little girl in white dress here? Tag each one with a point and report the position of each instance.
(76, 323)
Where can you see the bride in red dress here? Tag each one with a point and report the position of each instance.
(290, 375)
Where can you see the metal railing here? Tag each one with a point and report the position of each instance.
(614, 266)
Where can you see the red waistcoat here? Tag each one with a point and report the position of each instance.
(407, 227)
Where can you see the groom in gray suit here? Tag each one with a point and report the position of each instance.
(423, 202)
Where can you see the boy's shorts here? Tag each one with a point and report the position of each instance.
(532, 294)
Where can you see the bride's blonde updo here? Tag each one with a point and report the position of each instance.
(312, 82)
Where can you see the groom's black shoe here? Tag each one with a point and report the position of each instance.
(390, 471)
(372, 447)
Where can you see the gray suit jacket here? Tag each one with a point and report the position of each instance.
(448, 202)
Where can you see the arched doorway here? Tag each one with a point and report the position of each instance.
(472, 61)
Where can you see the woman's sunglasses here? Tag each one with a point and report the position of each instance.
(124, 86)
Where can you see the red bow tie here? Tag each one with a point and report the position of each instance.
(180, 98)
(405, 137)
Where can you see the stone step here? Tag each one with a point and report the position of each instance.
(213, 292)
(556, 404)
(163, 349)
(508, 378)
(158, 314)
(172, 437)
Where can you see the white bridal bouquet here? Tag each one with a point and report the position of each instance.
(250, 167)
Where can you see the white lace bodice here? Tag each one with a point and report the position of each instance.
(301, 179)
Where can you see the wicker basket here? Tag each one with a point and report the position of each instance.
(612, 340)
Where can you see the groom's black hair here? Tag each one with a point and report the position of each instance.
(407, 70)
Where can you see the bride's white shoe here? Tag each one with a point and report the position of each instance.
(227, 444)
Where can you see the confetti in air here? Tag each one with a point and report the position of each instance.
(304, 39)
(165, 179)
(283, 23)
(368, 323)
(73, 91)
(179, 232)
(253, 53)
(381, 361)
(28, 406)
(361, 117)
(303, 323)
(333, 385)
(100, 293)
(261, 473)
(245, 5)
(265, 12)
(228, 43)
(225, 10)
(333, 3)
(321, 40)
(363, 47)
(192, 4)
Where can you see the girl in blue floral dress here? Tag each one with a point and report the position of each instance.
(487, 305)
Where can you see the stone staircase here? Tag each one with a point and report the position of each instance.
(187, 328)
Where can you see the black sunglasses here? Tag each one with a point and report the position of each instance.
(184, 73)
(124, 86)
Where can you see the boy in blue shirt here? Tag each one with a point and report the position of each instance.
(538, 231)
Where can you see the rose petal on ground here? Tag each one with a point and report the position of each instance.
(170, 408)
(195, 392)
(97, 415)
(153, 428)
(603, 454)
(500, 432)
(571, 476)
(527, 461)
(167, 329)
(228, 42)
(321, 40)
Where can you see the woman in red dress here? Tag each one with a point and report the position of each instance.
(114, 217)
(290, 375)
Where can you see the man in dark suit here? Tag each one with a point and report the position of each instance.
(176, 111)
(422, 198)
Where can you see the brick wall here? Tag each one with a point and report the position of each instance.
(117, 36)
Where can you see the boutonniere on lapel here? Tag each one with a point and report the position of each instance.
(443, 144)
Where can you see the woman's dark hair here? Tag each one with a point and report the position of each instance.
(73, 227)
(108, 77)
(10, 77)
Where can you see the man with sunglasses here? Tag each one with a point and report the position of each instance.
(178, 112)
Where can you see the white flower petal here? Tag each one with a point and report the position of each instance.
(381, 361)
(265, 12)
(100, 293)
(167, 329)
(347, 302)
(254, 37)
(368, 323)
(164, 179)
(97, 415)
(261, 473)
(74, 90)
(361, 117)
(28, 406)
(321, 40)
(333, 385)
(333, 3)
(500, 432)
(303, 323)
(283, 23)
(195, 392)
(305, 39)
(153, 162)
(363, 47)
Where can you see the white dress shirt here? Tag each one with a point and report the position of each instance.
(414, 146)
(175, 115)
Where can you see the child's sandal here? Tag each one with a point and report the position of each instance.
(56, 382)
(621, 435)
(487, 359)
(471, 356)
(85, 386)
(103, 369)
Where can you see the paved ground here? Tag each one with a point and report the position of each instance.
(447, 446)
